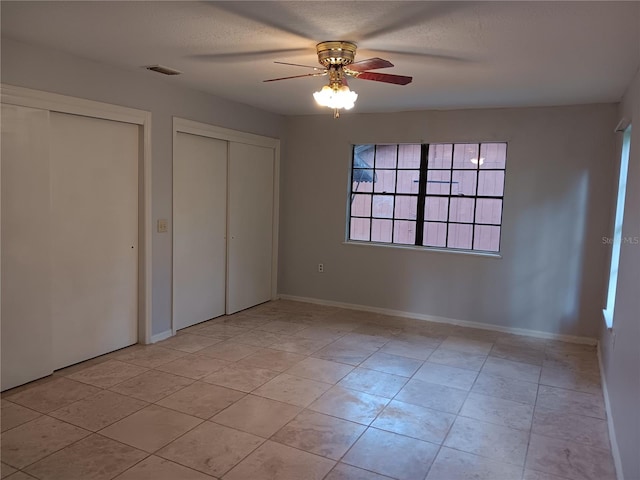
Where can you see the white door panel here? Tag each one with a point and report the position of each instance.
(94, 244)
(250, 226)
(199, 229)
(26, 284)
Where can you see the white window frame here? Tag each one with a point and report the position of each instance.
(616, 242)
(422, 192)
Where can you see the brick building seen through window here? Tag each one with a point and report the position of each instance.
(439, 195)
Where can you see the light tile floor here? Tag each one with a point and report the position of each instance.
(293, 391)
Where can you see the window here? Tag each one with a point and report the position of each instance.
(442, 195)
(617, 228)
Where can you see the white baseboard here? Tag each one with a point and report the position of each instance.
(615, 450)
(161, 336)
(450, 321)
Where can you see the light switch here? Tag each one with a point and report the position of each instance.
(163, 225)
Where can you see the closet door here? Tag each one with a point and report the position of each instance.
(251, 170)
(26, 285)
(199, 228)
(94, 236)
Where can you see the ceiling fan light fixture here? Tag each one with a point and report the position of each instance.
(337, 58)
(336, 97)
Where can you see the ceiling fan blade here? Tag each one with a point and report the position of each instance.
(384, 77)
(298, 65)
(319, 74)
(369, 64)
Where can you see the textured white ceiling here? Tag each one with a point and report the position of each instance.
(461, 54)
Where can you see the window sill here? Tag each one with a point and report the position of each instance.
(422, 249)
(607, 315)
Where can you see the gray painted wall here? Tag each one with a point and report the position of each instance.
(54, 71)
(620, 348)
(556, 210)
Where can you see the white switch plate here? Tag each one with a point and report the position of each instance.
(163, 225)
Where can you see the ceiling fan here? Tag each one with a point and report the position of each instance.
(337, 60)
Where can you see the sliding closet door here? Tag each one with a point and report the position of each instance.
(26, 286)
(250, 253)
(94, 236)
(199, 228)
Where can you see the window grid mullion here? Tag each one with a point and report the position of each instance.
(351, 192)
(446, 238)
(495, 197)
(504, 181)
(395, 192)
(422, 194)
(475, 202)
(353, 152)
(373, 191)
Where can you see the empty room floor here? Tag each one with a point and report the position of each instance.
(295, 391)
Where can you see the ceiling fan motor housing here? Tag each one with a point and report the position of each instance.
(336, 53)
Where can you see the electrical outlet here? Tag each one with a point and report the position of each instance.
(163, 225)
(321, 268)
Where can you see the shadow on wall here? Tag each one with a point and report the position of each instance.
(545, 282)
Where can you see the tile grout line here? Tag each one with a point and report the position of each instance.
(529, 437)
(185, 433)
(306, 355)
(366, 426)
(456, 417)
(210, 419)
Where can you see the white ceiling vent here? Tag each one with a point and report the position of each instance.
(163, 70)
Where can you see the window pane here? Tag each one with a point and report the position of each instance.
(408, 181)
(436, 208)
(435, 234)
(361, 186)
(363, 156)
(385, 181)
(465, 155)
(493, 155)
(409, 156)
(362, 174)
(406, 207)
(359, 229)
(489, 210)
(438, 182)
(383, 206)
(404, 232)
(487, 238)
(462, 210)
(440, 155)
(361, 205)
(459, 235)
(386, 156)
(464, 182)
(491, 183)
(381, 231)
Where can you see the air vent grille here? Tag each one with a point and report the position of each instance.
(163, 70)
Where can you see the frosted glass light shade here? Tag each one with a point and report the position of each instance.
(341, 97)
